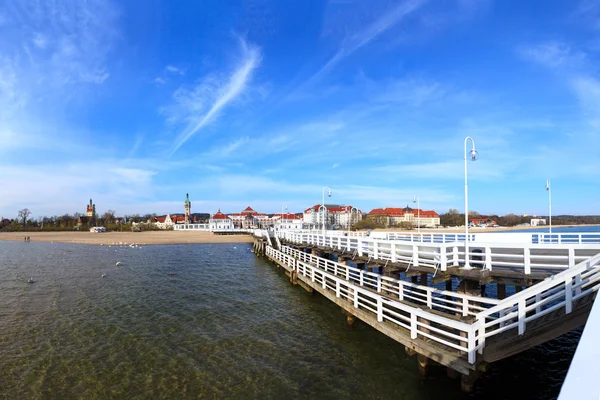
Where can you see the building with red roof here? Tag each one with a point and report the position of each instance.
(334, 215)
(219, 222)
(392, 216)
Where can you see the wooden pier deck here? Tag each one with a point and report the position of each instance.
(458, 329)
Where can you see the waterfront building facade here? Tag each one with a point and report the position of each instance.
(287, 221)
(538, 221)
(392, 216)
(249, 218)
(334, 215)
(220, 222)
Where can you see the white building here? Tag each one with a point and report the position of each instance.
(287, 221)
(335, 216)
(220, 222)
(538, 221)
(249, 218)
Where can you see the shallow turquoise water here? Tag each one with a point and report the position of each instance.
(207, 321)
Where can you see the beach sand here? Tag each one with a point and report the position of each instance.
(149, 237)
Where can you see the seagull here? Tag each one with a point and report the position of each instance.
(30, 280)
(104, 275)
(118, 263)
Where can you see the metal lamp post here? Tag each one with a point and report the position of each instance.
(473, 158)
(323, 203)
(350, 217)
(416, 200)
(549, 204)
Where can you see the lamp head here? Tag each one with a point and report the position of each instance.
(329, 193)
(548, 184)
(473, 154)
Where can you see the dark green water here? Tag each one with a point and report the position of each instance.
(208, 321)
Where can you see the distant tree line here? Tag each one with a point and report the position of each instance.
(69, 222)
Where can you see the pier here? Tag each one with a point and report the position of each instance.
(405, 287)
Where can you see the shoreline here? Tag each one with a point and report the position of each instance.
(126, 238)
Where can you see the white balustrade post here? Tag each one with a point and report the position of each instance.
(527, 260)
(415, 255)
(488, 257)
(393, 250)
(362, 277)
(465, 307)
(481, 330)
(578, 284)
(455, 255)
(521, 315)
(400, 291)
(413, 325)
(379, 284)
(538, 299)
(379, 309)
(355, 298)
(572, 256)
(472, 354)
(443, 258)
(429, 299)
(568, 295)
(359, 246)
(337, 288)
(375, 250)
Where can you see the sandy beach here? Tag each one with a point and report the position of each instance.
(109, 238)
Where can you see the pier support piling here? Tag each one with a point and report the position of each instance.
(423, 364)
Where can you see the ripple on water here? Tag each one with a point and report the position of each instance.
(206, 321)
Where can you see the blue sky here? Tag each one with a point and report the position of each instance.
(264, 103)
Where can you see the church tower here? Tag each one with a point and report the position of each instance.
(187, 206)
(91, 209)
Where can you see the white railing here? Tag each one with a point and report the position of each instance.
(423, 324)
(493, 237)
(441, 300)
(517, 257)
(581, 381)
(559, 238)
(557, 292)
(515, 312)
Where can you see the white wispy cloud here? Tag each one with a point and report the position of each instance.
(361, 38)
(201, 105)
(175, 70)
(587, 90)
(553, 55)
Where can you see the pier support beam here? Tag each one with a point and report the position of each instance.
(501, 291)
(423, 279)
(467, 382)
(423, 363)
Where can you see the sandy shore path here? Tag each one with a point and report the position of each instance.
(150, 237)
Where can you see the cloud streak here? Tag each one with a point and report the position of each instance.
(365, 36)
(219, 96)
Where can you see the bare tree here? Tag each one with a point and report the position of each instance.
(24, 215)
(109, 217)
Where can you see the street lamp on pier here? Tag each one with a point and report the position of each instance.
(350, 217)
(323, 203)
(416, 200)
(473, 154)
(549, 204)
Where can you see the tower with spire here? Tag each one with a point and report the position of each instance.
(91, 209)
(187, 206)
